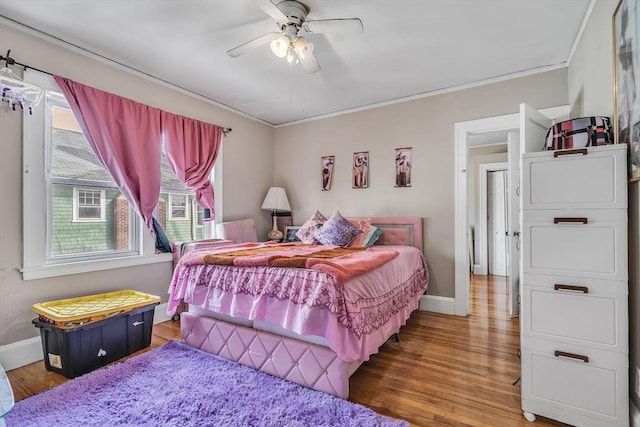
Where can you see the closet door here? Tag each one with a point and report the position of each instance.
(497, 222)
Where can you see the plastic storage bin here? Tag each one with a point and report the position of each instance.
(72, 312)
(75, 350)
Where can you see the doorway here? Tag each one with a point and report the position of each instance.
(468, 134)
(489, 217)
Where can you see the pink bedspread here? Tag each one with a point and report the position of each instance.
(355, 317)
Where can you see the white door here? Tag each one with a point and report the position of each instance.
(497, 222)
(513, 244)
(533, 130)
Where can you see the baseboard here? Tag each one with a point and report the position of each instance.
(437, 304)
(635, 414)
(21, 353)
(160, 313)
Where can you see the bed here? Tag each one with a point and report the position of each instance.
(311, 326)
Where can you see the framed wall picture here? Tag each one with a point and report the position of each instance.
(327, 172)
(360, 175)
(403, 167)
(290, 233)
(626, 34)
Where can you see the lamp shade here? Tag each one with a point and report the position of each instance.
(276, 200)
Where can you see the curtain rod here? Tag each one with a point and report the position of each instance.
(8, 60)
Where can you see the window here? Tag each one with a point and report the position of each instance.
(88, 205)
(87, 224)
(86, 218)
(178, 208)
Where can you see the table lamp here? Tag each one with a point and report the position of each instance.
(276, 201)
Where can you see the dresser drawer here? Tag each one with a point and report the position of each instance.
(580, 312)
(569, 384)
(597, 180)
(575, 243)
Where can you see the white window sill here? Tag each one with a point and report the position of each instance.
(41, 272)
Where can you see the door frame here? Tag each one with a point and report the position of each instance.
(483, 233)
(463, 132)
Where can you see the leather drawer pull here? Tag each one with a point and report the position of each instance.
(558, 220)
(585, 359)
(582, 151)
(559, 287)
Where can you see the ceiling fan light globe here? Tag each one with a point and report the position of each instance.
(280, 46)
(303, 47)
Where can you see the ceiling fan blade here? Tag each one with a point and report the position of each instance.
(271, 10)
(245, 47)
(349, 25)
(308, 62)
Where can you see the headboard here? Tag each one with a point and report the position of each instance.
(398, 230)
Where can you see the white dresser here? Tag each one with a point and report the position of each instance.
(574, 319)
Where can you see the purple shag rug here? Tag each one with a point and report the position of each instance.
(177, 385)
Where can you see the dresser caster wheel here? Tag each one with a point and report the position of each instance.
(529, 416)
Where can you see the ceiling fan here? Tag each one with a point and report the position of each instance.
(291, 17)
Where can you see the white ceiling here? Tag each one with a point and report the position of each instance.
(408, 47)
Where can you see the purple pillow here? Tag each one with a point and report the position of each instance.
(337, 231)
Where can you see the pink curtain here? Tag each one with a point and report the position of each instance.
(192, 148)
(125, 135)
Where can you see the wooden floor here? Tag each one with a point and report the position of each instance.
(445, 371)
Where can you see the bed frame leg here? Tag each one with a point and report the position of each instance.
(397, 335)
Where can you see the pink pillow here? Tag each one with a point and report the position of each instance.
(368, 236)
(310, 227)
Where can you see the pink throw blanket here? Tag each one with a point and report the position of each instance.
(341, 268)
(349, 266)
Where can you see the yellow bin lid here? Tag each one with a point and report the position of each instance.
(93, 306)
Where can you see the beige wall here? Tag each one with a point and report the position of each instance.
(247, 163)
(591, 68)
(591, 93)
(425, 124)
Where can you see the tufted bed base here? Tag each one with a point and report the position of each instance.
(310, 365)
